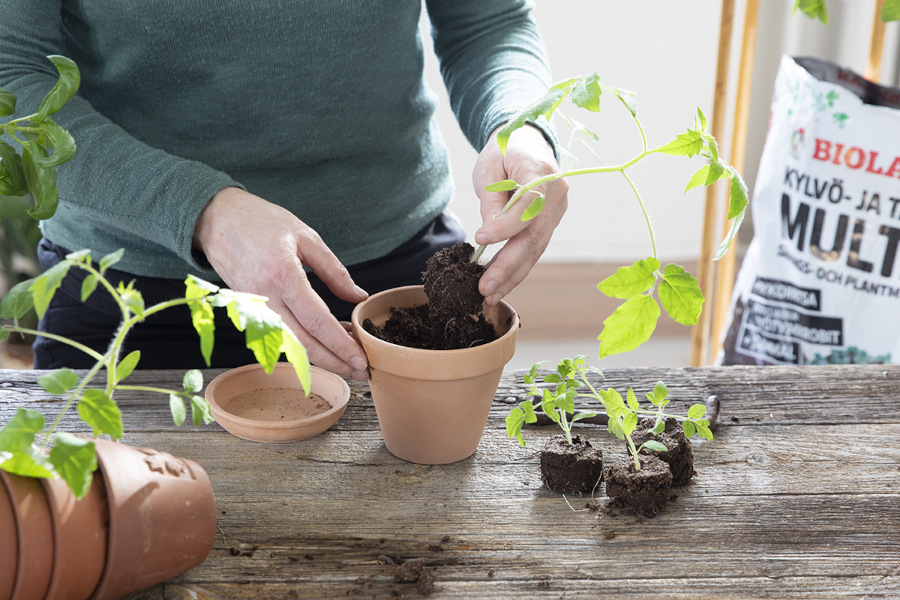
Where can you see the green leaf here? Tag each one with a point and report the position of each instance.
(203, 319)
(88, 286)
(686, 144)
(41, 181)
(703, 429)
(630, 281)
(689, 429)
(192, 382)
(586, 92)
(75, 460)
(659, 393)
(177, 408)
(33, 463)
(132, 298)
(18, 435)
(501, 186)
(54, 138)
(654, 445)
(58, 382)
(738, 200)
(62, 92)
(627, 99)
(629, 422)
(890, 11)
(696, 411)
(200, 411)
(100, 412)
(514, 422)
(262, 326)
(111, 259)
(44, 287)
(680, 295)
(543, 106)
(127, 365)
(815, 9)
(583, 415)
(18, 301)
(7, 103)
(296, 354)
(629, 326)
(632, 400)
(533, 210)
(11, 172)
(732, 233)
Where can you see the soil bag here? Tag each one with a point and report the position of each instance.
(820, 283)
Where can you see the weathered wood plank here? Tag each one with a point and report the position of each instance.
(797, 497)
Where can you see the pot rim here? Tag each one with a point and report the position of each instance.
(359, 330)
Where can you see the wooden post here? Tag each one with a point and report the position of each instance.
(876, 46)
(700, 334)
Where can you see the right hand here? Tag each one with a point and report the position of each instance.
(261, 248)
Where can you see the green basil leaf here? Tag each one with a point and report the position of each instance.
(41, 181)
(200, 411)
(55, 138)
(176, 406)
(7, 103)
(62, 92)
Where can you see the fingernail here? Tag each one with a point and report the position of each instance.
(360, 376)
(358, 363)
(481, 238)
(361, 291)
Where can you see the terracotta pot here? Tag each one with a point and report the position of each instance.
(9, 543)
(432, 405)
(162, 517)
(80, 530)
(34, 536)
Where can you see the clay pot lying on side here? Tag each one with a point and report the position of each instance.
(432, 405)
(148, 517)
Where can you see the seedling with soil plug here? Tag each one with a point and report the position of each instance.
(570, 381)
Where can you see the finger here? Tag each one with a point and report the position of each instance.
(313, 253)
(511, 265)
(329, 343)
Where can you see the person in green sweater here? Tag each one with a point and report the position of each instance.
(287, 149)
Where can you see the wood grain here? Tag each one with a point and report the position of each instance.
(798, 497)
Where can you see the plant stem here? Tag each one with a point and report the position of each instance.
(89, 351)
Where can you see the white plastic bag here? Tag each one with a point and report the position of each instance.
(820, 282)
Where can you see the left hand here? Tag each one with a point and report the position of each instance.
(528, 157)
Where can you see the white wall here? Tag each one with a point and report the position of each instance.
(664, 51)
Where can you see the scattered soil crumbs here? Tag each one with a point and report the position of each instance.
(452, 318)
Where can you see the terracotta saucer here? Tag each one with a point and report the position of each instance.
(273, 408)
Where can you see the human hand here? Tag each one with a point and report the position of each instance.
(261, 248)
(528, 157)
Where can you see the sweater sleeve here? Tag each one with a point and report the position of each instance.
(492, 60)
(149, 193)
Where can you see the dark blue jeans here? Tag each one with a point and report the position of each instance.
(167, 340)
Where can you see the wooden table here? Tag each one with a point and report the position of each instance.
(797, 497)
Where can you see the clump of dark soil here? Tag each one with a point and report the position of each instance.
(414, 571)
(452, 318)
(645, 491)
(571, 469)
(679, 455)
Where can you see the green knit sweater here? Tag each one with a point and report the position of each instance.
(318, 106)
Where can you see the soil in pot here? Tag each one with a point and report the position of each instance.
(679, 456)
(645, 491)
(452, 319)
(571, 469)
